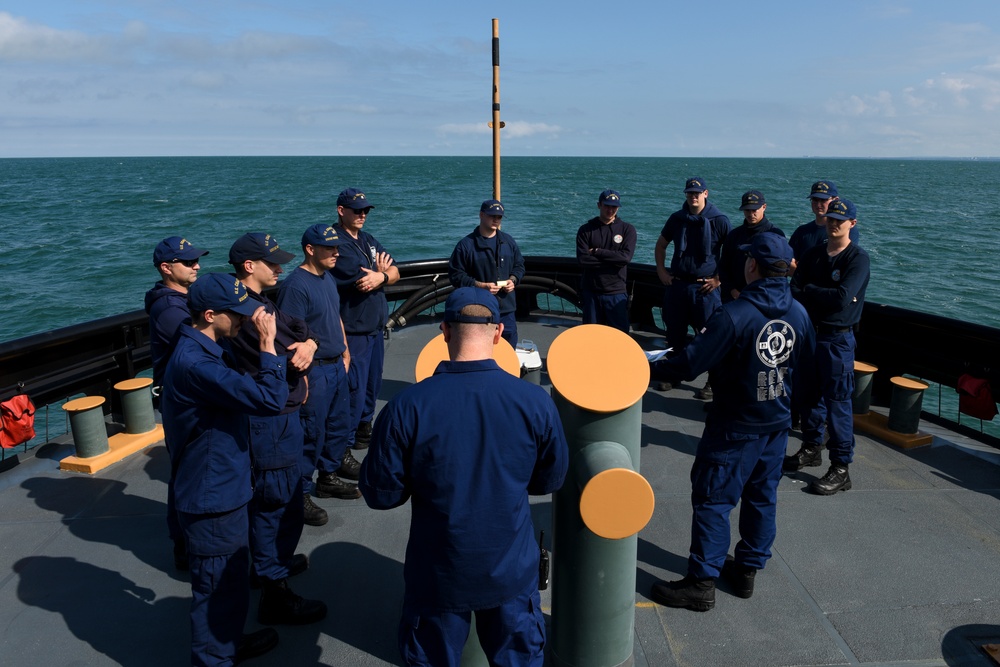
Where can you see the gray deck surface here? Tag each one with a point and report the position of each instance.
(904, 569)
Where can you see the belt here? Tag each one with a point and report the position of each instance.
(832, 330)
(329, 360)
(691, 279)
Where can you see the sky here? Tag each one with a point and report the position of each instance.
(776, 78)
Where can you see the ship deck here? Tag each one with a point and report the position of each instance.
(904, 569)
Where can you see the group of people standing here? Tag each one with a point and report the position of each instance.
(263, 402)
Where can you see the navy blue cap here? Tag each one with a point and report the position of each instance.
(695, 184)
(842, 209)
(471, 296)
(321, 235)
(823, 190)
(257, 245)
(174, 248)
(220, 291)
(770, 250)
(491, 207)
(353, 198)
(610, 198)
(752, 200)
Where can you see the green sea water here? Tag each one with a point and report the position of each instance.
(78, 234)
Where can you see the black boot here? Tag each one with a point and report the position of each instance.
(298, 565)
(255, 643)
(836, 479)
(350, 467)
(810, 455)
(280, 605)
(363, 435)
(739, 577)
(329, 485)
(312, 514)
(689, 593)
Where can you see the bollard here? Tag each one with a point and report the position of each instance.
(604, 502)
(86, 419)
(861, 399)
(137, 404)
(904, 410)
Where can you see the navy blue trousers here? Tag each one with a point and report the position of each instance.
(326, 422)
(509, 329)
(364, 379)
(276, 520)
(835, 373)
(512, 635)
(608, 309)
(731, 468)
(683, 306)
(220, 583)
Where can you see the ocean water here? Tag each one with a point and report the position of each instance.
(78, 234)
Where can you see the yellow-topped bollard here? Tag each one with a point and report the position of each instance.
(599, 375)
(86, 420)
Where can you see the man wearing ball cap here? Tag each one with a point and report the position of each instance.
(468, 445)
(757, 346)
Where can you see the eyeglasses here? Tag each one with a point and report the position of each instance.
(361, 211)
(190, 263)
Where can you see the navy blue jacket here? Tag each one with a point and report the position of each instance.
(697, 241)
(363, 313)
(466, 446)
(315, 300)
(604, 272)
(205, 406)
(833, 288)
(246, 347)
(733, 261)
(811, 235)
(476, 259)
(757, 347)
(168, 310)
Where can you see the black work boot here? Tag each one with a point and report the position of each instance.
(836, 479)
(280, 605)
(350, 467)
(739, 577)
(810, 455)
(256, 643)
(329, 485)
(705, 393)
(689, 593)
(363, 435)
(313, 515)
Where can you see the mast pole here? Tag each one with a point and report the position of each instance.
(496, 124)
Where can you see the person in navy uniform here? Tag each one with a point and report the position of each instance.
(759, 347)
(276, 510)
(490, 259)
(205, 406)
(698, 232)
(604, 247)
(813, 233)
(363, 271)
(754, 207)
(467, 446)
(178, 263)
(310, 293)
(830, 281)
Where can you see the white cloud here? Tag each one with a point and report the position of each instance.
(21, 40)
(879, 104)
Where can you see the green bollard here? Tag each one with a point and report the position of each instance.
(904, 409)
(472, 653)
(137, 404)
(604, 502)
(86, 420)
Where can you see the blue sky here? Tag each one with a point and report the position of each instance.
(883, 78)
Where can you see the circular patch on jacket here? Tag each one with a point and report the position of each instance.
(836, 275)
(775, 342)
(618, 238)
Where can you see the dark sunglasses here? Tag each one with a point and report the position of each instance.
(362, 211)
(186, 262)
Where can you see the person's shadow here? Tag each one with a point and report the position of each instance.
(137, 524)
(114, 615)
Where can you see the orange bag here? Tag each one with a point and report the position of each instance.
(17, 421)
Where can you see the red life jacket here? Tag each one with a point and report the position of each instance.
(975, 398)
(17, 421)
